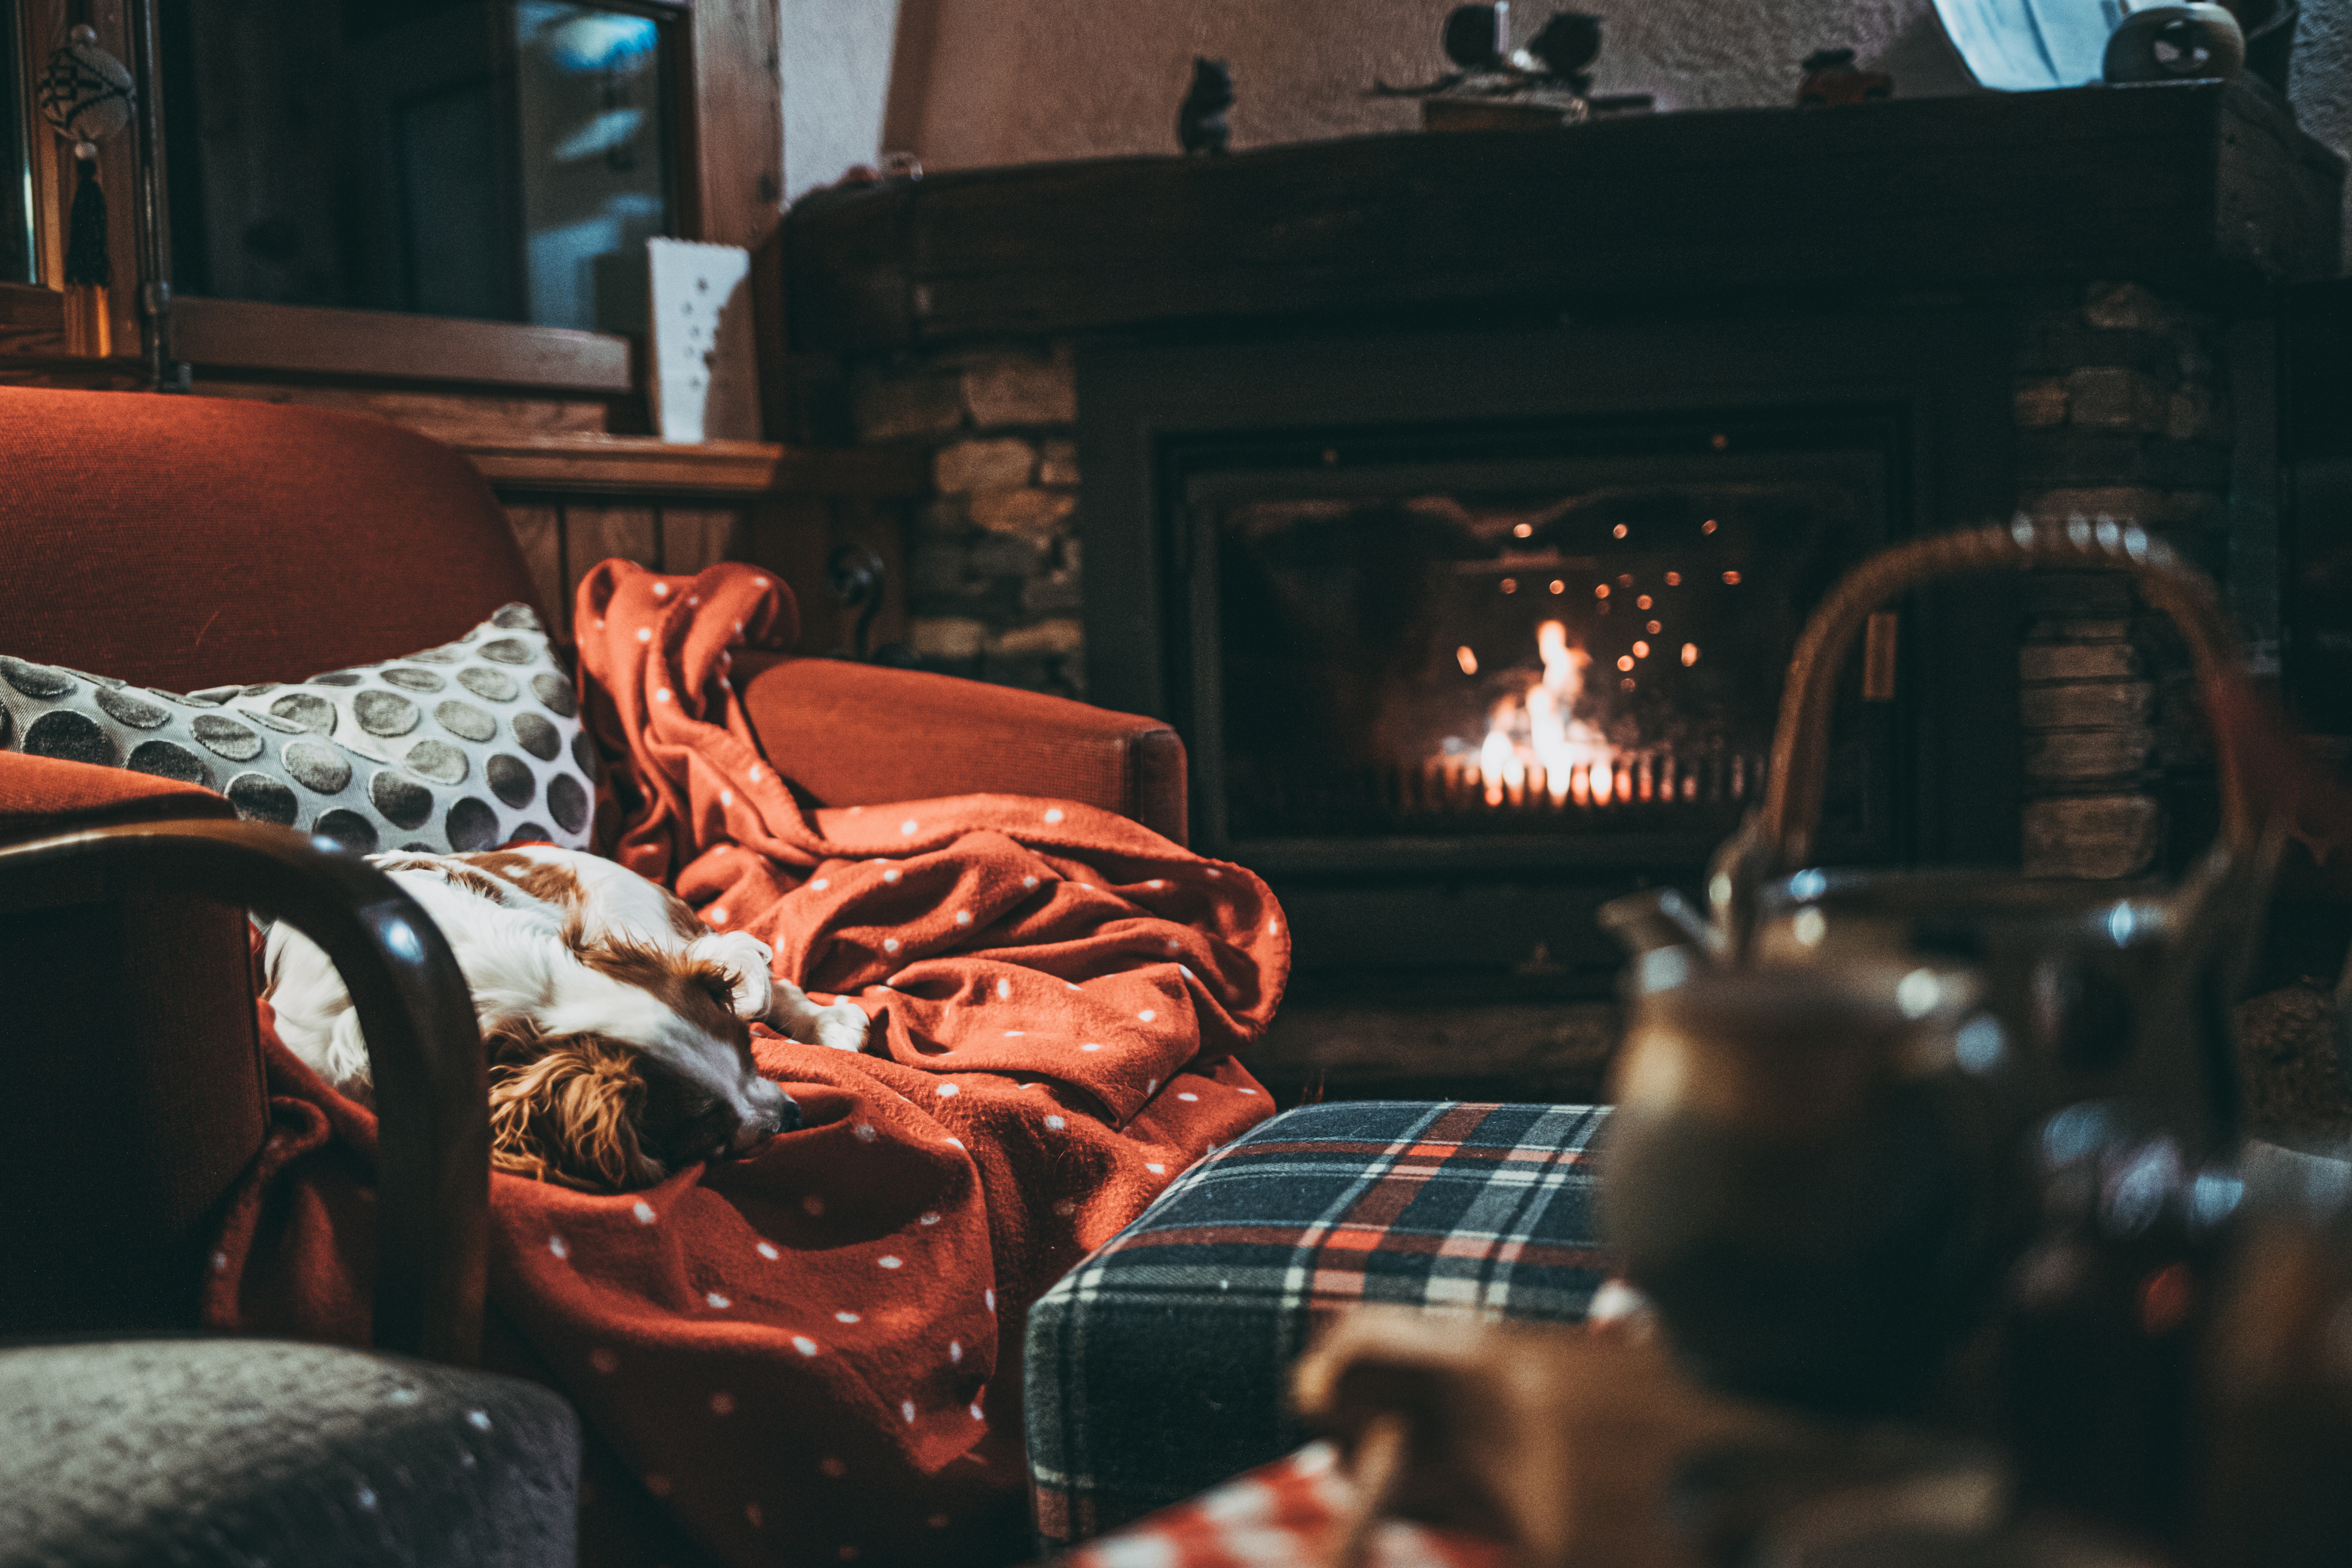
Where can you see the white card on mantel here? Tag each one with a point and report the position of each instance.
(706, 384)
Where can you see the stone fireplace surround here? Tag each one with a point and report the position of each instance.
(2076, 288)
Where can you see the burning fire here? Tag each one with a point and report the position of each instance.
(1537, 744)
(1538, 753)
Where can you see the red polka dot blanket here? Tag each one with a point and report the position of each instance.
(811, 1355)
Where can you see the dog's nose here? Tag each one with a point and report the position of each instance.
(772, 1112)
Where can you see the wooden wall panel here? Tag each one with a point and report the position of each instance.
(736, 131)
(694, 537)
(538, 530)
(791, 537)
(881, 528)
(593, 533)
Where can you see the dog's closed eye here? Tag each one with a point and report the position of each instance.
(719, 982)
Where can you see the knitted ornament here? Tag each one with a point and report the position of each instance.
(85, 95)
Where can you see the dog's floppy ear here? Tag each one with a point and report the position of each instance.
(568, 1114)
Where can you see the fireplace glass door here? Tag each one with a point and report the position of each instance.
(1543, 661)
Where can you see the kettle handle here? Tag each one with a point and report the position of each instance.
(1780, 837)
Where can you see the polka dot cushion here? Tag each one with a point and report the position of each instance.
(465, 746)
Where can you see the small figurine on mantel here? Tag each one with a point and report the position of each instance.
(1832, 78)
(1201, 123)
(1498, 88)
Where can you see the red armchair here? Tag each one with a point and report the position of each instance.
(183, 542)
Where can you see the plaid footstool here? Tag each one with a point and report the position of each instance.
(1159, 1366)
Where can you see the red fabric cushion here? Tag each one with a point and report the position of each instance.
(859, 735)
(43, 796)
(190, 541)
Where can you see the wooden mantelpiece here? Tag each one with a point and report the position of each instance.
(739, 470)
(2184, 184)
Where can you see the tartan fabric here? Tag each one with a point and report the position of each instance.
(1159, 1366)
(1285, 1512)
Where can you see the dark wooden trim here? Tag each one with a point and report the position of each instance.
(61, 367)
(2186, 182)
(384, 345)
(32, 321)
(745, 470)
(425, 1050)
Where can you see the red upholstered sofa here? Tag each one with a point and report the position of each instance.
(183, 542)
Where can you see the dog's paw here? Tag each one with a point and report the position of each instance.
(842, 1026)
(752, 961)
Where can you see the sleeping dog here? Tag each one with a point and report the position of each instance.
(616, 1023)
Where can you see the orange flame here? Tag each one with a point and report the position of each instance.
(1535, 742)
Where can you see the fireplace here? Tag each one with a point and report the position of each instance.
(1542, 654)
(1467, 634)
(1187, 417)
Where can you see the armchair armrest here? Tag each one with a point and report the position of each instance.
(433, 1148)
(863, 734)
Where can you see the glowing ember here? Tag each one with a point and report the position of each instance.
(1690, 653)
(1468, 660)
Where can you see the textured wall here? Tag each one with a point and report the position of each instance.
(961, 85)
(2322, 84)
(836, 70)
(1091, 78)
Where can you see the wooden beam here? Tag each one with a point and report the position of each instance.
(2189, 181)
(385, 345)
(735, 125)
(623, 465)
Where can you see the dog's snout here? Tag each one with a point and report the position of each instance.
(772, 1112)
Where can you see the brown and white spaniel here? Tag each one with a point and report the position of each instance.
(616, 1023)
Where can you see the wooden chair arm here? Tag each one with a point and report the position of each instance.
(433, 1157)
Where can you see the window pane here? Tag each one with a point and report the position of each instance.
(496, 159)
(594, 161)
(17, 144)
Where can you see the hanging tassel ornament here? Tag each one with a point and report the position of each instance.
(85, 95)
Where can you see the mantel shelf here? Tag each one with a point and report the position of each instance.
(2206, 184)
(737, 471)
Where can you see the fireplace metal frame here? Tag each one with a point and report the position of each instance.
(1610, 849)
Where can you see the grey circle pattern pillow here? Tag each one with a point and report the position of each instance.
(465, 746)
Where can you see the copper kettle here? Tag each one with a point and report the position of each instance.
(1777, 1080)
